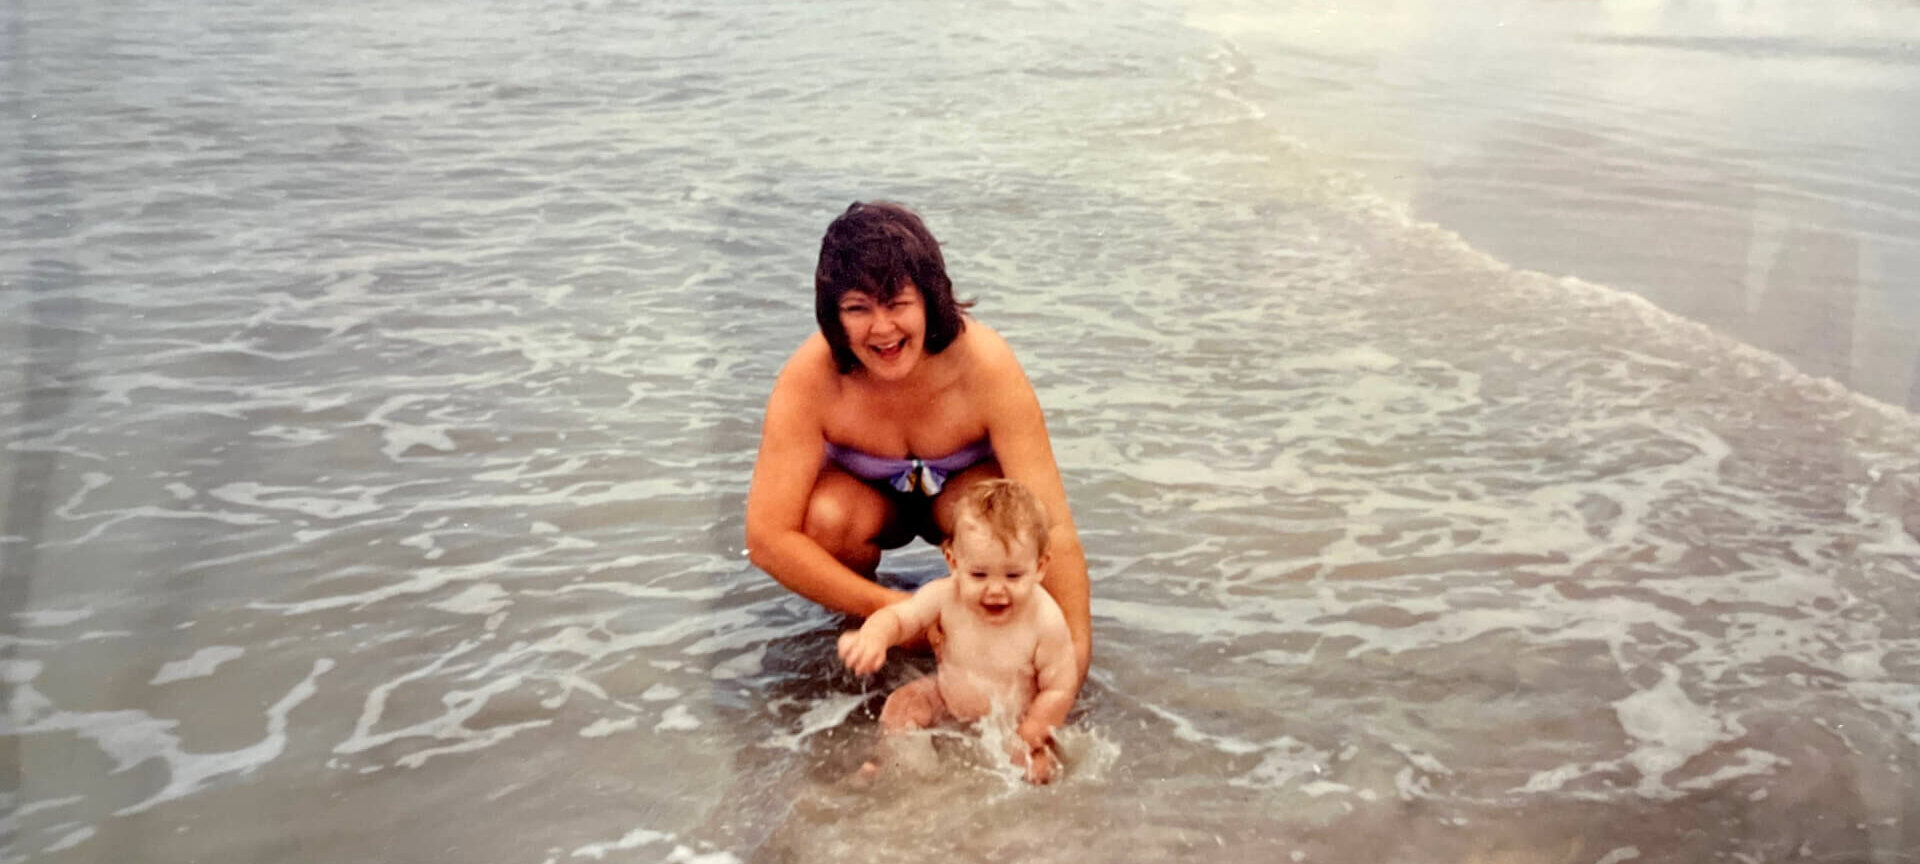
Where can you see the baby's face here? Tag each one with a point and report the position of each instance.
(993, 580)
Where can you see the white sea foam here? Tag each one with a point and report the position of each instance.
(71, 839)
(1619, 854)
(750, 637)
(1669, 729)
(401, 436)
(12, 816)
(116, 518)
(634, 839)
(133, 737)
(741, 666)
(485, 598)
(1186, 730)
(688, 855)
(461, 706)
(421, 580)
(830, 712)
(200, 665)
(523, 468)
(607, 726)
(1287, 763)
(291, 499)
(1753, 763)
(679, 718)
(52, 617)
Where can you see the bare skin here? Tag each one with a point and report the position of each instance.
(820, 531)
(1008, 647)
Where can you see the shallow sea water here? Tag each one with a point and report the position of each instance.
(387, 381)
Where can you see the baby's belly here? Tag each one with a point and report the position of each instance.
(972, 693)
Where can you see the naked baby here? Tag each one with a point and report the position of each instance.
(1007, 646)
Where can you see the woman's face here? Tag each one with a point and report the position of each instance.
(888, 338)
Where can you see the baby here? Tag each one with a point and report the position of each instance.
(1006, 644)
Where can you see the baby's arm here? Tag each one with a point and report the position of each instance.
(1057, 674)
(864, 650)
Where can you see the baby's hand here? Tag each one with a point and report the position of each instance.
(863, 655)
(1036, 758)
(1040, 766)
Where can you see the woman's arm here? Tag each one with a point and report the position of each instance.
(1020, 443)
(791, 444)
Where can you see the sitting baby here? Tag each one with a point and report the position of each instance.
(1007, 644)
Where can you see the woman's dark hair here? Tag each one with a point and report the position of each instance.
(877, 249)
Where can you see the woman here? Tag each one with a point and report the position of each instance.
(883, 419)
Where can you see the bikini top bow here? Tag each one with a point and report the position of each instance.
(919, 477)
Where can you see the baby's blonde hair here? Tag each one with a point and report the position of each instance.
(1008, 510)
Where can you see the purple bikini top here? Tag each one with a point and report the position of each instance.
(925, 476)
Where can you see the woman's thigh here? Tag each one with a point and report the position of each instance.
(853, 520)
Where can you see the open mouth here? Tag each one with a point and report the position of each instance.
(994, 607)
(889, 350)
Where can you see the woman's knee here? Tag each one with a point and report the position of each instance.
(845, 525)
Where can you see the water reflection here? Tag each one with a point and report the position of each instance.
(1742, 164)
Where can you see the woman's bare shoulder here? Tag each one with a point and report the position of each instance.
(810, 369)
(807, 384)
(988, 353)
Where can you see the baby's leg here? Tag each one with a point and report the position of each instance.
(915, 706)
